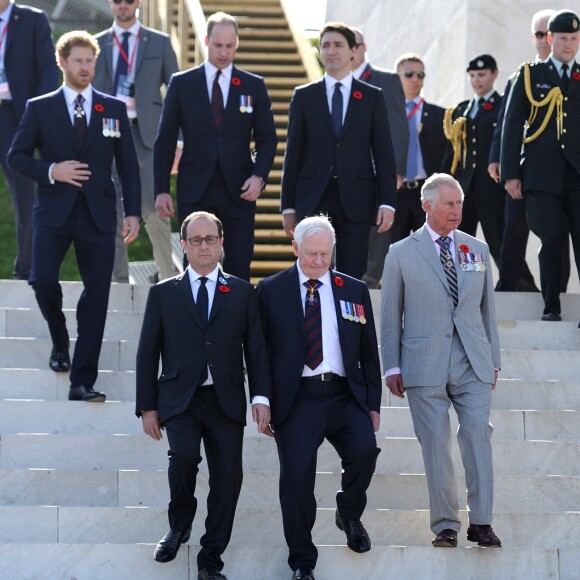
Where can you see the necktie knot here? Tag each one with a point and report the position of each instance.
(79, 100)
(565, 68)
(410, 105)
(202, 280)
(445, 241)
(126, 35)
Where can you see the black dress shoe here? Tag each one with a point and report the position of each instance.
(357, 538)
(59, 360)
(483, 535)
(552, 317)
(82, 393)
(303, 574)
(445, 539)
(210, 574)
(168, 546)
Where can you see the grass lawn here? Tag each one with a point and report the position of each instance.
(139, 250)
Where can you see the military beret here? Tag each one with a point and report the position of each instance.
(482, 62)
(564, 21)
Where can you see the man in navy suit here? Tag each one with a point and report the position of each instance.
(78, 132)
(220, 110)
(27, 69)
(322, 346)
(339, 158)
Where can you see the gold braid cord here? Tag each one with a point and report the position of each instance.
(553, 100)
(456, 133)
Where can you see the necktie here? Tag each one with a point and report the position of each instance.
(313, 324)
(122, 64)
(202, 304)
(476, 109)
(413, 153)
(447, 261)
(337, 105)
(80, 119)
(217, 100)
(565, 77)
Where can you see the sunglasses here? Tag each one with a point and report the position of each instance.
(539, 34)
(126, 1)
(411, 73)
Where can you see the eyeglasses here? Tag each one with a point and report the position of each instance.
(411, 73)
(209, 240)
(539, 34)
(126, 1)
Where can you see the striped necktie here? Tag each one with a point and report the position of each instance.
(217, 100)
(446, 258)
(313, 324)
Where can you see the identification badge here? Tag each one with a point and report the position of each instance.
(126, 93)
(4, 87)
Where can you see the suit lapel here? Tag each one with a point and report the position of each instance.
(354, 104)
(339, 293)
(107, 54)
(61, 113)
(200, 87)
(220, 296)
(292, 283)
(13, 25)
(96, 124)
(553, 75)
(236, 89)
(426, 248)
(143, 41)
(185, 294)
(574, 78)
(458, 240)
(322, 102)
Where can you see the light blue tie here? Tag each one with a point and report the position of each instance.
(413, 153)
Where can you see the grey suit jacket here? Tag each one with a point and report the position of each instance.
(390, 84)
(418, 316)
(156, 62)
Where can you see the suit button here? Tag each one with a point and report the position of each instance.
(474, 140)
(448, 335)
(207, 343)
(562, 146)
(565, 98)
(474, 166)
(563, 130)
(565, 114)
(475, 152)
(542, 96)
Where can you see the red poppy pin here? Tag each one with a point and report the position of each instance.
(99, 108)
(464, 248)
(576, 75)
(357, 95)
(487, 106)
(223, 288)
(236, 81)
(366, 74)
(338, 281)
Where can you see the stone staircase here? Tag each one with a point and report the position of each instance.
(83, 491)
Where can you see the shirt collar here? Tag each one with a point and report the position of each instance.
(194, 276)
(118, 30)
(304, 278)
(346, 81)
(210, 70)
(357, 72)
(486, 97)
(70, 94)
(558, 64)
(435, 236)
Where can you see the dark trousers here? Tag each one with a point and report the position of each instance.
(352, 238)
(491, 217)
(238, 219)
(322, 410)
(95, 253)
(21, 193)
(222, 440)
(547, 216)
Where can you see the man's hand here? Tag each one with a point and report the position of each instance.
(400, 179)
(493, 170)
(514, 188)
(289, 223)
(164, 205)
(261, 415)
(495, 376)
(252, 188)
(385, 218)
(131, 228)
(151, 425)
(176, 158)
(73, 172)
(376, 420)
(395, 385)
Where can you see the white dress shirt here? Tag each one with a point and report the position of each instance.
(133, 48)
(346, 85)
(224, 80)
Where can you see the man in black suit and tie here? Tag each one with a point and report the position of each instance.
(220, 110)
(27, 69)
(202, 324)
(78, 132)
(469, 127)
(135, 62)
(339, 158)
(322, 346)
(545, 168)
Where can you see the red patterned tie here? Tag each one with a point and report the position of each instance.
(217, 100)
(313, 324)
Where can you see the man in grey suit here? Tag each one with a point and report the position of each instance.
(447, 353)
(134, 63)
(390, 83)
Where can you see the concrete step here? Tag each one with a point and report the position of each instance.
(399, 455)
(122, 561)
(60, 417)
(126, 525)
(149, 488)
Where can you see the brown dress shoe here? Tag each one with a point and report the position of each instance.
(445, 539)
(483, 535)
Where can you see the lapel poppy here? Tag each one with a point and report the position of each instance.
(223, 288)
(357, 95)
(464, 248)
(98, 107)
(338, 281)
(236, 81)
(576, 75)
(487, 106)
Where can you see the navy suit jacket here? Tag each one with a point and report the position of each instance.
(362, 156)
(173, 330)
(155, 63)
(187, 107)
(432, 138)
(282, 314)
(46, 126)
(29, 61)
